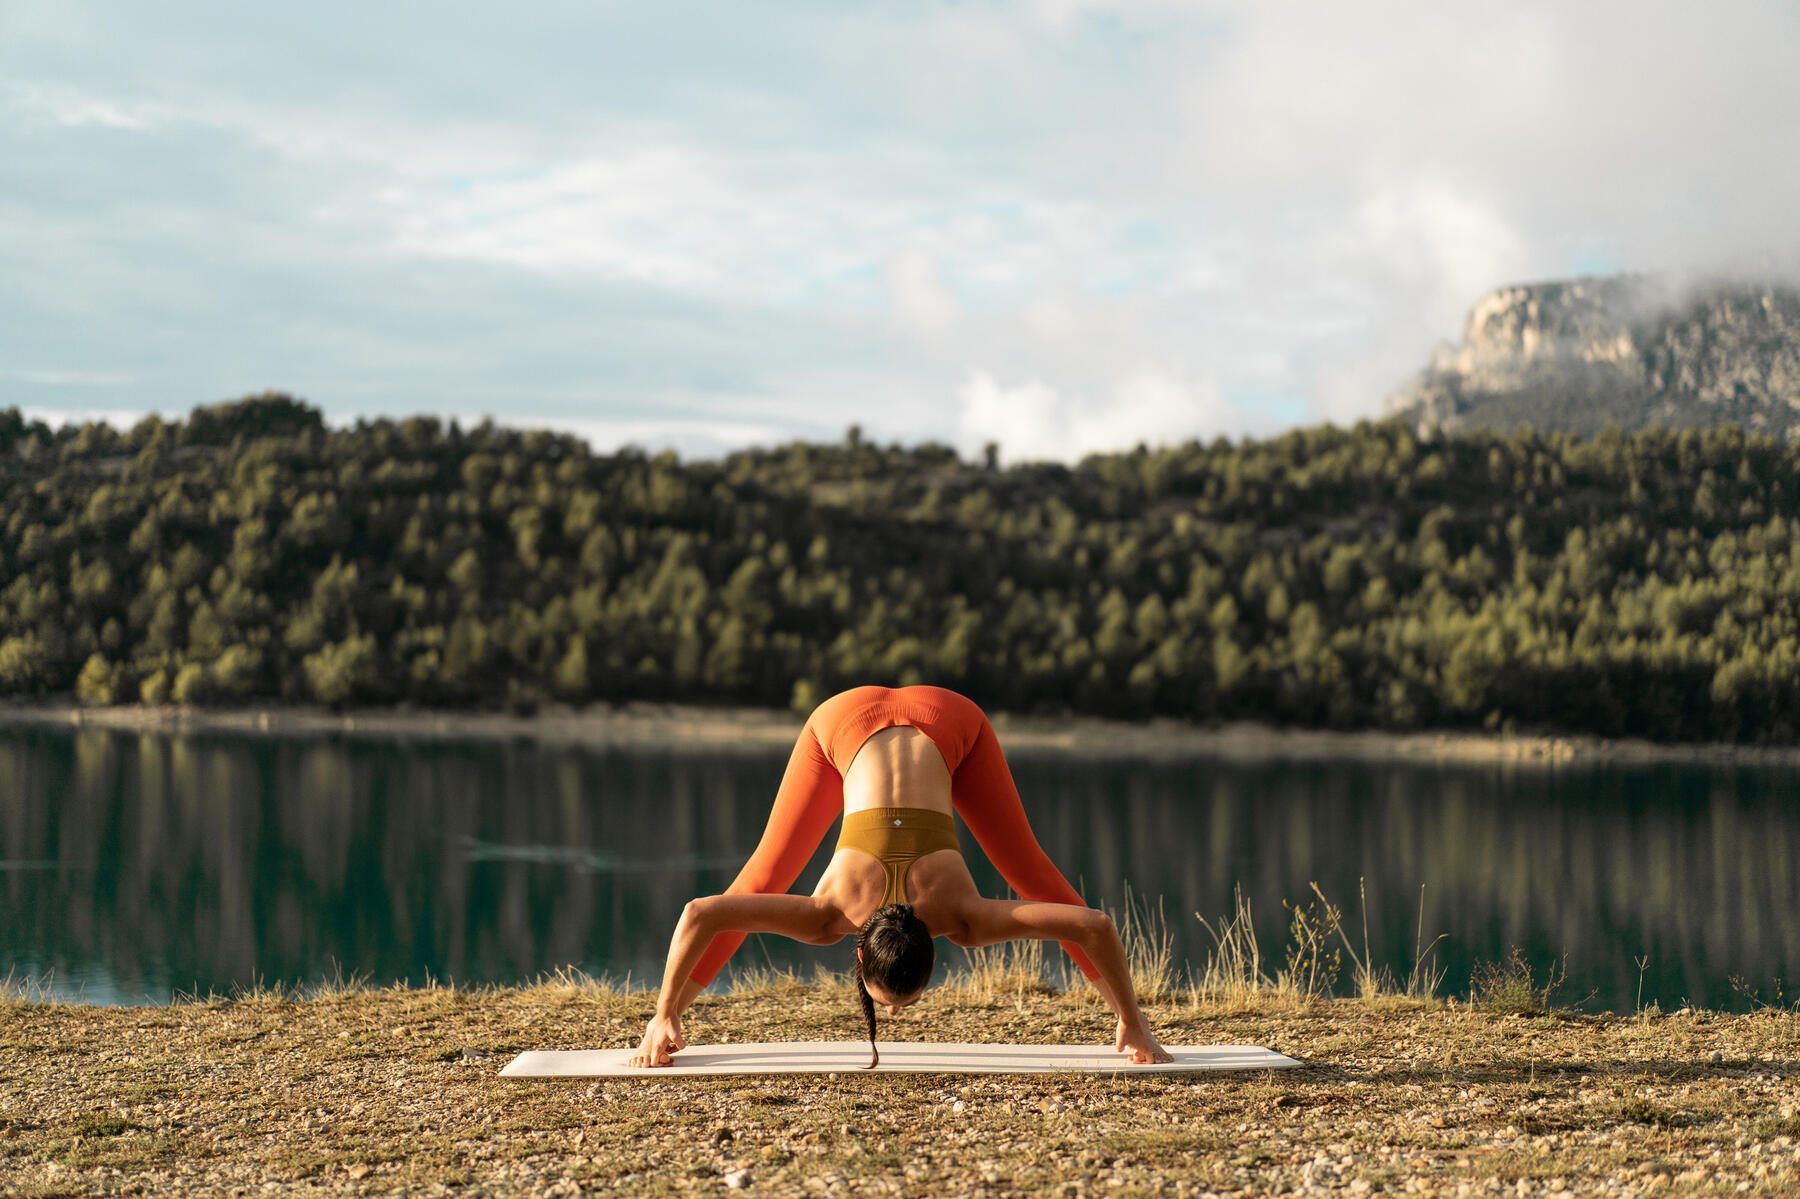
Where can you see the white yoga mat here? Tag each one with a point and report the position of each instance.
(821, 1057)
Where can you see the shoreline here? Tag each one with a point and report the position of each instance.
(762, 730)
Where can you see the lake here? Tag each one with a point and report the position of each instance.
(134, 866)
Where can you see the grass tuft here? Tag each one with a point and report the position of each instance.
(1377, 986)
(339, 985)
(1009, 972)
(1642, 1111)
(21, 989)
(104, 1126)
(1149, 947)
(1233, 974)
(1312, 964)
(572, 982)
(1771, 1127)
(754, 980)
(1509, 987)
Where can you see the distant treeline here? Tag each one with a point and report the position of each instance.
(1644, 584)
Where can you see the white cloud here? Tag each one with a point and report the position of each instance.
(75, 107)
(72, 378)
(56, 418)
(694, 438)
(1034, 421)
(1063, 224)
(922, 304)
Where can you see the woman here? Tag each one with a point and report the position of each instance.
(894, 763)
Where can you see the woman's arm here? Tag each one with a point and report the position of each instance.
(991, 920)
(803, 917)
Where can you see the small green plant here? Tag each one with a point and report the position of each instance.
(1642, 1111)
(103, 1126)
(1510, 987)
(1780, 1004)
(1770, 1127)
(1312, 967)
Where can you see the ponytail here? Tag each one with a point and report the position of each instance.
(893, 948)
(868, 1007)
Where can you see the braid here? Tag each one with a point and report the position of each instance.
(868, 1007)
(893, 948)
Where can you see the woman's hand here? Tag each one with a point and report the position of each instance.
(661, 1038)
(1142, 1046)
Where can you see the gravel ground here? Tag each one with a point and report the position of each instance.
(397, 1091)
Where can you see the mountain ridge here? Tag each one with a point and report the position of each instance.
(1632, 350)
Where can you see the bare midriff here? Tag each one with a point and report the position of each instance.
(898, 767)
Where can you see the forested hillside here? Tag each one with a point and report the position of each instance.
(1645, 584)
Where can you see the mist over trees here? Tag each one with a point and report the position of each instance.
(1643, 584)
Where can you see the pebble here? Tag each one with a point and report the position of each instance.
(737, 1180)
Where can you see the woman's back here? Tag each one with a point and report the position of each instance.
(898, 767)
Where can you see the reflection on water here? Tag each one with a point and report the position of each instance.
(135, 865)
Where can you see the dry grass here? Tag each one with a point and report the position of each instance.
(1509, 988)
(395, 1090)
(1234, 975)
(1012, 972)
(1149, 948)
(1376, 984)
(19, 989)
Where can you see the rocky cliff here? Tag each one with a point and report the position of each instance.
(1631, 350)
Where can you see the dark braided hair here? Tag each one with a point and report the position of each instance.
(894, 948)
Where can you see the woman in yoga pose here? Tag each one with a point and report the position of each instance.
(894, 763)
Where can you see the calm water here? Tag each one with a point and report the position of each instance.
(134, 866)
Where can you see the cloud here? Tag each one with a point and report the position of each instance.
(56, 418)
(1033, 421)
(71, 378)
(922, 303)
(68, 106)
(1061, 224)
(699, 438)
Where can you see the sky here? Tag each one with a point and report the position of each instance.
(1060, 225)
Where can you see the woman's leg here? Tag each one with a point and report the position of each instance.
(986, 798)
(810, 798)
